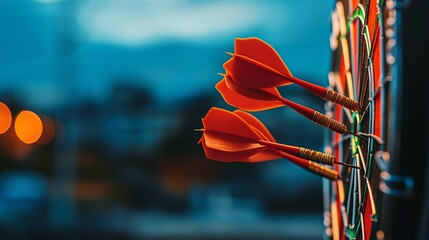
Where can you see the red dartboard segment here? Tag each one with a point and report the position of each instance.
(353, 4)
(367, 218)
(376, 59)
(372, 18)
(342, 74)
(354, 46)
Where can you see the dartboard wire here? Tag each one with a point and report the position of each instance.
(365, 59)
(383, 83)
(353, 229)
(368, 190)
(358, 223)
(368, 184)
(344, 53)
(362, 196)
(370, 108)
(360, 193)
(362, 225)
(378, 36)
(355, 196)
(369, 156)
(366, 39)
(359, 182)
(351, 201)
(370, 51)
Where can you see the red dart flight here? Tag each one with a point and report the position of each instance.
(255, 64)
(256, 99)
(238, 136)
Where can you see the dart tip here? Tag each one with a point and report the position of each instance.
(221, 74)
(367, 135)
(230, 53)
(356, 135)
(348, 165)
(199, 130)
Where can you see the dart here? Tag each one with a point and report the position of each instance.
(249, 157)
(255, 64)
(256, 99)
(265, 138)
(238, 136)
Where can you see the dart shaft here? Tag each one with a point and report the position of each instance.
(317, 117)
(311, 166)
(281, 147)
(327, 94)
(301, 152)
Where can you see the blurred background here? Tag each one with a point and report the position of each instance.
(99, 102)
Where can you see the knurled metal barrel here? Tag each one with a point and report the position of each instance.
(342, 100)
(316, 156)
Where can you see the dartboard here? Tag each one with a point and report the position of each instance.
(363, 43)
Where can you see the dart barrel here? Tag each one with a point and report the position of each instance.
(328, 122)
(342, 100)
(323, 171)
(316, 156)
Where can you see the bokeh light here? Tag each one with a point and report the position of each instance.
(28, 127)
(5, 118)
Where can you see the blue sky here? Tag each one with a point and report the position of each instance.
(173, 48)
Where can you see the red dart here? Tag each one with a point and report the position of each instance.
(230, 137)
(256, 99)
(255, 64)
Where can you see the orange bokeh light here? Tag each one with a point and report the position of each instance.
(28, 127)
(5, 118)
